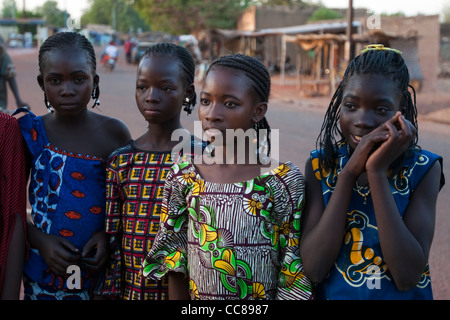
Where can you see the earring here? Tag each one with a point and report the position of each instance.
(188, 107)
(95, 94)
(47, 103)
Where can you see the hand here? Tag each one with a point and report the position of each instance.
(401, 134)
(58, 252)
(95, 252)
(357, 163)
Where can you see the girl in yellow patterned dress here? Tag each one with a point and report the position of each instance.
(137, 171)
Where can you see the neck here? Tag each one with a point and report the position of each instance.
(159, 137)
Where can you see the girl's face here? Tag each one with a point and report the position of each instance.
(368, 101)
(227, 101)
(68, 80)
(160, 89)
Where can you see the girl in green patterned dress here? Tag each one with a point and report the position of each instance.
(230, 226)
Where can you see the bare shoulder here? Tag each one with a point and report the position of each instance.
(111, 126)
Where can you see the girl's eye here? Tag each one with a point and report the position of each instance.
(167, 89)
(349, 106)
(382, 110)
(55, 81)
(79, 79)
(204, 102)
(140, 88)
(230, 104)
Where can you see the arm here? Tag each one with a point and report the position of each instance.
(178, 286)
(406, 242)
(14, 262)
(58, 252)
(15, 90)
(324, 228)
(113, 277)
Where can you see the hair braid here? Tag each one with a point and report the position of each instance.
(187, 65)
(386, 62)
(260, 81)
(69, 40)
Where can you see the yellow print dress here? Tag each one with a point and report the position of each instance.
(234, 240)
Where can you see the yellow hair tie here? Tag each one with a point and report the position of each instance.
(379, 47)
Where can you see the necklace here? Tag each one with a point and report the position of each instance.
(365, 194)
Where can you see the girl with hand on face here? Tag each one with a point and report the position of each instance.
(67, 150)
(227, 230)
(371, 194)
(136, 172)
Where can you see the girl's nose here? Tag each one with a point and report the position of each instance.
(364, 118)
(152, 95)
(67, 89)
(213, 113)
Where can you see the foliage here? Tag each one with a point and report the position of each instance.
(187, 16)
(120, 14)
(53, 16)
(324, 13)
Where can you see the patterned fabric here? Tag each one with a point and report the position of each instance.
(12, 186)
(67, 198)
(135, 185)
(360, 271)
(236, 240)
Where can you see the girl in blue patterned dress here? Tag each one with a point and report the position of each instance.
(371, 190)
(67, 151)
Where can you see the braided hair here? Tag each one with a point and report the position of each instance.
(73, 40)
(260, 82)
(187, 66)
(385, 61)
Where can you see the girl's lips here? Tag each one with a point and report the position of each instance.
(212, 132)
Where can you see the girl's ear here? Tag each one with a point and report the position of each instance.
(96, 80)
(40, 82)
(190, 91)
(260, 112)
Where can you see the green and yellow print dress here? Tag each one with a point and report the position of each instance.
(235, 240)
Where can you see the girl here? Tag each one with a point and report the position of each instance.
(136, 172)
(231, 230)
(12, 207)
(67, 148)
(371, 195)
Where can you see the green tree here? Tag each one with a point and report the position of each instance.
(120, 14)
(187, 16)
(324, 13)
(52, 14)
(9, 9)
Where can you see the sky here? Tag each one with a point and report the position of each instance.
(408, 7)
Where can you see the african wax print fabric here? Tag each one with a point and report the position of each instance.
(360, 271)
(233, 240)
(67, 198)
(135, 186)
